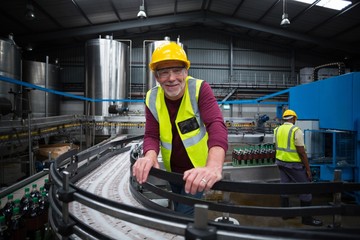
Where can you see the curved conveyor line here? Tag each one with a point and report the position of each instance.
(111, 180)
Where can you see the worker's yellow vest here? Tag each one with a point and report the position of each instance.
(191, 129)
(285, 143)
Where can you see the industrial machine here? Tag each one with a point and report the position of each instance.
(329, 115)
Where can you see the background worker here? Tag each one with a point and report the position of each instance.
(292, 160)
(184, 121)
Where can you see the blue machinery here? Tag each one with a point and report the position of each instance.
(329, 113)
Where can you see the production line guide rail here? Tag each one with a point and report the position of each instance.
(73, 192)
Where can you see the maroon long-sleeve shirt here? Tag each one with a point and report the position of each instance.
(211, 116)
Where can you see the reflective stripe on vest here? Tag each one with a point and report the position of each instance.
(285, 143)
(195, 141)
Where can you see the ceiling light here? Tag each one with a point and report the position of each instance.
(29, 47)
(30, 14)
(285, 22)
(142, 14)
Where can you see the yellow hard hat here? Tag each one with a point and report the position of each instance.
(168, 51)
(288, 114)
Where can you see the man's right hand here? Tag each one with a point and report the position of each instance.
(143, 165)
(308, 172)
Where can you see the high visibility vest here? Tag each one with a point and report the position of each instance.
(191, 128)
(285, 143)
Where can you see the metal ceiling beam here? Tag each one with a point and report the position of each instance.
(228, 96)
(267, 11)
(114, 27)
(13, 19)
(281, 32)
(43, 11)
(346, 31)
(196, 17)
(81, 11)
(115, 10)
(175, 7)
(339, 14)
(237, 8)
(304, 11)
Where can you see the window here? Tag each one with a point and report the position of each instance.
(332, 4)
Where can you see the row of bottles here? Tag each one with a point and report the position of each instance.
(253, 155)
(25, 218)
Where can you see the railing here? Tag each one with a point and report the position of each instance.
(70, 167)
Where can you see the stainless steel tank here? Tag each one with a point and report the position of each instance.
(10, 66)
(106, 74)
(150, 79)
(41, 103)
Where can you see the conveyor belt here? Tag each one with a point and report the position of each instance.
(102, 184)
(111, 181)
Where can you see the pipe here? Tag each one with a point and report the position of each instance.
(31, 159)
(292, 74)
(231, 59)
(340, 65)
(46, 86)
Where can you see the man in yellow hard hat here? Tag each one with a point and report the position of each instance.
(184, 121)
(292, 160)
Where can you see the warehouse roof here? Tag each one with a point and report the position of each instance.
(312, 28)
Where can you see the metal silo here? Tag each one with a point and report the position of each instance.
(150, 79)
(106, 73)
(41, 103)
(10, 66)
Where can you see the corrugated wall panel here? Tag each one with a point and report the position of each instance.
(256, 59)
(257, 77)
(209, 58)
(204, 39)
(209, 52)
(137, 61)
(210, 75)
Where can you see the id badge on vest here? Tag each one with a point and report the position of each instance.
(188, 125)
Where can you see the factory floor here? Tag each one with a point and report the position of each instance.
(274, 201)
(102, 175)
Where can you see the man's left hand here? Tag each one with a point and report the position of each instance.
(201, 179)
